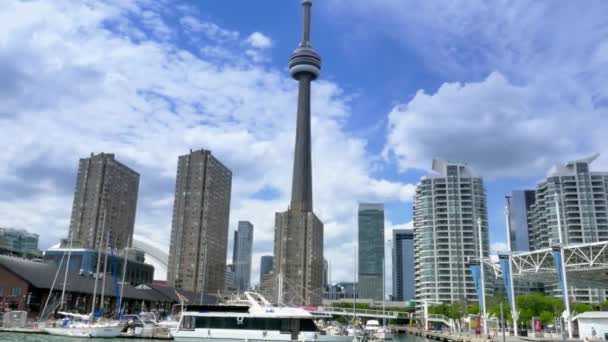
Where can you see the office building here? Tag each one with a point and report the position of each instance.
(199, 230)
(243, 242)
(371, 250)
(581, 196)
(404, 284)
(105, 202)
(230, 283)
(18, 242)
(265, 266)
(447, 206)
(519, 203)
(298, 238)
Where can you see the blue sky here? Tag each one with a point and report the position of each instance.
(511, 88)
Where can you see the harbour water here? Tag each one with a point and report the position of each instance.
(10, 337)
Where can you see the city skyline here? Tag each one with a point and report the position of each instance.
(204, 75)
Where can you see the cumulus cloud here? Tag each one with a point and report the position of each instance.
(259, 41)
(498, 247)
(501, 128)
(531, 91)
(99, 76)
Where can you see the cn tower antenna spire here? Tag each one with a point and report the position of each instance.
(306, 4)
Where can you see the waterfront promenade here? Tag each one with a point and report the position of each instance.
(466, 337)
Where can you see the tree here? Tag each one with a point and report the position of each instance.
(581, 307)
(536, 304)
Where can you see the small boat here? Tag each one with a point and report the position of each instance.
(75, 325)
(377, 332)
(259, 320)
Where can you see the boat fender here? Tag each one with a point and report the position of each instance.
(239, 320)
(264, 333)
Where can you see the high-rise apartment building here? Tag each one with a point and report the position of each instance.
(18, 242)
(265, 266)
(298, 237)
(582, 199)
(447, 206)
(519, 203)
(371, 250)
(404, 284)
(199, 230)
(243, 242)
(105, 200)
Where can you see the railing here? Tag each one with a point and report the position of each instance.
(359, 312)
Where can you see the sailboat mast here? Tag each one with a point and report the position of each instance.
(67, 267)
(52, 287)
(124, 274)
(105, 272)
(103, 227)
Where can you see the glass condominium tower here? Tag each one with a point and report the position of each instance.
(446, 208)
(582, 198)
(371, 250)
(403, 265)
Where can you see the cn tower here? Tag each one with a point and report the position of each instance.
(298, 241)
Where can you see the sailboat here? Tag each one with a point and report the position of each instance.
(78, 325)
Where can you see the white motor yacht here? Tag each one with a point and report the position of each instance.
(260, 320)
(377, 331)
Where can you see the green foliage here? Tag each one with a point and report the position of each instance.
(454, 311)
(604, 306)
(538, 305)
(474, 309)
(582, 307)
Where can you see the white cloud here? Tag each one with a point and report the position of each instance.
(498, 247)
(532, 83)
(259, 40)
(501, 128)
(73, 85)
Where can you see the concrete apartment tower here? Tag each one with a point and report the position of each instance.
(446, 208)
(106, 194)
(199, 230)
(298, 240)
(582, 198)
(371, 250)
(404, 285)
(243, 242)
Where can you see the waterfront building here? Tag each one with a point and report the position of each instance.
(265, 266)
(106, 195)
(230, 282)
(84, 262)
(199, 230)
(267, 286)
(298, 239)
(371, 250)
(243, 242)
(582, 197)
(519, 203)
(25, 285)
(404, 285)
(447, 206)
(18, 242)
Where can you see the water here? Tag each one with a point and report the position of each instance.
(10, 337)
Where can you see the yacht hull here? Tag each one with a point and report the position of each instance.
(227, 335)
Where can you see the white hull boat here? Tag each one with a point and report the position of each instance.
(86, 331)
(260, 321)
